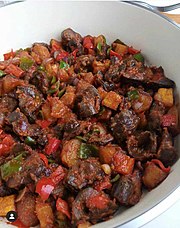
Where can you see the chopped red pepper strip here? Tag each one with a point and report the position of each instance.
(62, 206)
(74, 53)
(62, 55)
(6, 143)
(132, 51)
(43, 123)
(168, 120)
(99, 201)
(88, 42)
(44, 187)
(55, 45)
(58, 175)
(160, 164)
(44, 158)
(113, 53)
(52, 145)
(9, 55)
(103, 184)
(14, 70)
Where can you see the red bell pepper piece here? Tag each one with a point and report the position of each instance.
(160, 164)
(55, 45)
(88, 42)
(44, 158)
(6, 143)
(103, 184)
(62, 206)
(122, 163)
(9, 55)
(132, 51)
(14, 70)
(44, 187)
(52, 145)
(168, 120)
(99, 201)
(62, 55)
(58, 175)
(113, 53)
(74, 53)
(43, 123)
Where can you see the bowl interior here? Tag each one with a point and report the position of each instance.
(28, 22)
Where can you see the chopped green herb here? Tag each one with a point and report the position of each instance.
(50, 160)
(81, 138)
(11, 167)
(29, 141)
(99, 47)
(26, 63)
(108, 50)
(54, 88)
(96, 130)
(133, 95)
(63, 65)
(2, 73)
(139, 57)
(41, 68)
(87, 150)
(53, 80)
(116, 178)
(61, 92)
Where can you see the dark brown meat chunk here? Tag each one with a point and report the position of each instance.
(142, 145)
(128, 189)
(84, 173)
(88, 102)
(32, 165)
(30, 100)
(84, 64)
(93, 206)
(5, 191)
(26, 210)
(159, 79)
(71, 39)
(124, 124)
(40, 80)
(21, 125)
(156, 112)
(114, 72)
(153, 175)
(71, 129)
(135, 70)
(7, 104)
(166, 152)
(99, 135)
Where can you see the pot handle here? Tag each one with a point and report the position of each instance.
(5, 3)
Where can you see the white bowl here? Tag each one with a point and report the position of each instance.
(24, 23)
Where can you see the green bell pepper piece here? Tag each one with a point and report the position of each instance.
(139, 57)
(30, 141)
(133, 95)
(87, 150)
(11, 167)
(2, 73)
(26, 63)
(63, 65)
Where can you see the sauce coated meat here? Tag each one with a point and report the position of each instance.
(84, 127)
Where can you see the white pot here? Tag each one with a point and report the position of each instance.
(23, 23)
